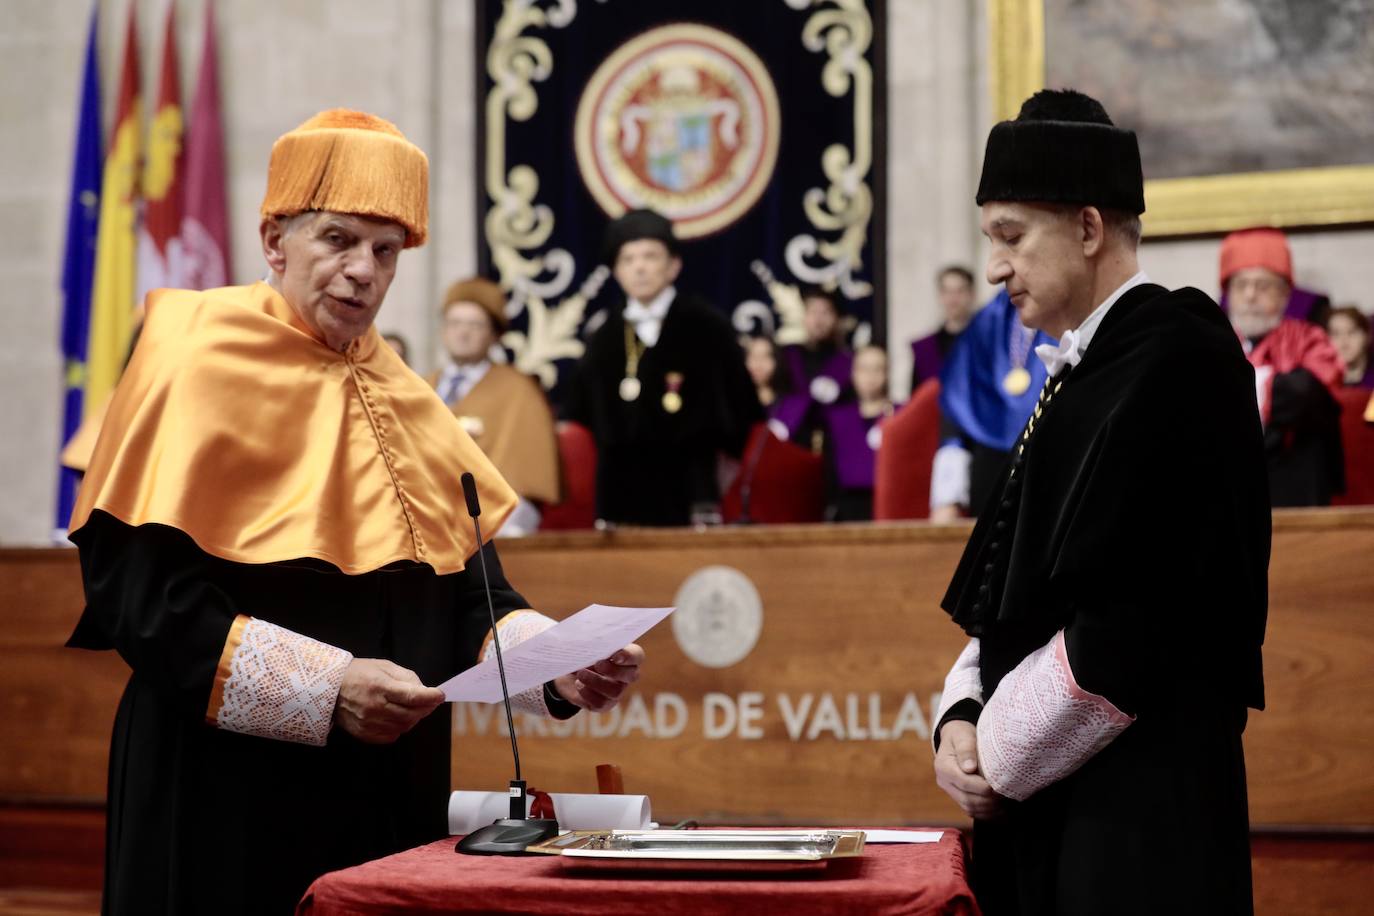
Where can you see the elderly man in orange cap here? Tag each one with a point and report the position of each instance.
(271, 535)
(1296, 370)
(503, 409)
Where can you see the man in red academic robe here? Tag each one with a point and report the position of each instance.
(1297, 370)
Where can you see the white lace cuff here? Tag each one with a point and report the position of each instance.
(1039, 726)
(949, 476)
(964, 682)
(275, 683)
(513, 629)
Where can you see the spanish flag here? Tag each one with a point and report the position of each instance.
(160, 259)
(112, 303)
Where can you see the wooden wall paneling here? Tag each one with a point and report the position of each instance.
(847, 610)
(1312, 875)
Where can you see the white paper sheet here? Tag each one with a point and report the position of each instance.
(902, 836)
(469, 810)
(585, 638)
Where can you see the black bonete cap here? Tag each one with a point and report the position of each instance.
(1063, 148)
(636, 225)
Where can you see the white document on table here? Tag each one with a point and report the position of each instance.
(585, 638)
(903, 836)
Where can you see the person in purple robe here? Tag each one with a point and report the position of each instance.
(954, 286)
(786, 409)
(1348, 328)
(854, 430)
(821, 366)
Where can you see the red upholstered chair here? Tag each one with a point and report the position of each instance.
(786, 482)
(1357, 437)
(901, 485)
(577, 463)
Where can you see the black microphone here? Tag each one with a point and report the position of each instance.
(751, 466)
(507, 836)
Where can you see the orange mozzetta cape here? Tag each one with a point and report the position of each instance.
(235, 425)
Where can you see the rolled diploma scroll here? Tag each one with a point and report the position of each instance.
(469, 810)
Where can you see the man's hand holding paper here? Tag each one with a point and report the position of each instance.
(600, 686)
(591, 657)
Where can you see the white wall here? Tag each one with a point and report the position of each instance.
(411, 61)
(280, 62)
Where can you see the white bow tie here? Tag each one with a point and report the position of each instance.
(1066, 353)
(635, 313)
(647, 325)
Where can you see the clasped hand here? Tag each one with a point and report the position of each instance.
(957, 771)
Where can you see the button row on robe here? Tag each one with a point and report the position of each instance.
(1009, 492)
(379, 432)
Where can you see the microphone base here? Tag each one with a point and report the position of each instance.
(507, 837)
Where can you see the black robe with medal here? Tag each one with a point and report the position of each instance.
(1137, 520)
(208, 821)
(655, 464)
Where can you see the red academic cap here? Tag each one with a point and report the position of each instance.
(1267, 248)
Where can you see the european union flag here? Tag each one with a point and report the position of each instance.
(78, 269)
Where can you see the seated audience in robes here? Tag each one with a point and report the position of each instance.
(502, 409)
(954, 287)
(786, 409)
(854, 431)
(662, 387)
(821, 365)
(272, 536)
(1348, 328)
(398, 343)
(1296, 370)
(988, 389)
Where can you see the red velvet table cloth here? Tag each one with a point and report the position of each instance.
(887, 879)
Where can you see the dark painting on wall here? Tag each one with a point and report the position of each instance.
(1214, 87)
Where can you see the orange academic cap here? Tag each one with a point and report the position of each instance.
(350, 162)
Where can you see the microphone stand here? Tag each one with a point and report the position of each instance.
(508, 836)
(751, 466)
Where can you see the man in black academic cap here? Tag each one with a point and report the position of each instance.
(662, 386)
(1115, 592)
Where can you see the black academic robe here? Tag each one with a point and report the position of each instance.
(1303, 442)
(654, 465)
(203, 820)
(1137, 520)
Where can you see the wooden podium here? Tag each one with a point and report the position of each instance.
(800, 690)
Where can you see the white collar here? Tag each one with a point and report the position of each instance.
(471, 372)
(656, 309)
(1071, 347)
(648, 319)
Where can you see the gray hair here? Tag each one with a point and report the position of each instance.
(1125, 225)
(1120, 223)
(289, 224)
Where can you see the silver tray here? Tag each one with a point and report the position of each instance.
(708, 848)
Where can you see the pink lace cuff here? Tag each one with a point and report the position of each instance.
(964, 682)
(275, 683)
(1039, 725)
(515, 628)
